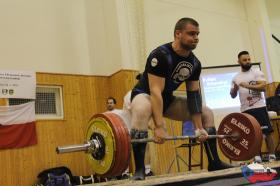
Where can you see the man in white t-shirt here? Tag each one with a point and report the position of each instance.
(110, 104)
(250, 85)
(123, 113)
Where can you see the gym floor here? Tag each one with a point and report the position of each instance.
(228, 177)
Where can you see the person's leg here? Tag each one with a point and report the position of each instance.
(271, 148)
(262, 117)
(178, 110)
(210, 145)
(270, 144)
(254, 113)
(141, 112)
(126, 110)
(268, 130)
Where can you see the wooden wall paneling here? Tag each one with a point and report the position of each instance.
(270, 89)
(100, 89)
(79, 97)
(83, 96)
(120, 83)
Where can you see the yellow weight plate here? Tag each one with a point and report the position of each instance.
(99, 125)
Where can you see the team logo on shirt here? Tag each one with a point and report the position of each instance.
(254, 93)
(182, 71)
(154, 62)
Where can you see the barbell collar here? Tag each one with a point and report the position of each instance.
(75, 148)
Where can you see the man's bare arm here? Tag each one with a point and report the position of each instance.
(259, 86)
(233, 91)
(156, 85)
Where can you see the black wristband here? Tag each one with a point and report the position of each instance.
(194, 102)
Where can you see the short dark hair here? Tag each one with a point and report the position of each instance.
(114, 100)
(243, 53)
(183, 21)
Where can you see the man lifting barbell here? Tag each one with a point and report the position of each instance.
(167, 67)
(108, 141)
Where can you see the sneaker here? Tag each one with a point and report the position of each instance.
(150, 173)
(125, 175)
(258, 159)
(271, 158)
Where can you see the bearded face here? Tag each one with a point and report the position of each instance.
(245, 62)
(188, 46)
(246, 66)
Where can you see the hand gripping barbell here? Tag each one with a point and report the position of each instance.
(108, 142)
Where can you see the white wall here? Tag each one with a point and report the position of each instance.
(276, 31)
(274, 15)
(103, 34)
(69, 36)
(65, 36)
(223, 27)
(260, 33)
(101, 37)
(40, 35)
(274, 18)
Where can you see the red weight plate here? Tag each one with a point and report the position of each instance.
(248, 144)
(122, 139)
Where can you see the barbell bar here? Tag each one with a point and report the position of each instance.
(89, 146)
(108, 143)
(168, 138)
(93, 145)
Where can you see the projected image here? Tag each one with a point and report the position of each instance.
(216, 88)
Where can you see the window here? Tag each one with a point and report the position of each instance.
(48, 103)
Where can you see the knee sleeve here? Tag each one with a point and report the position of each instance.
(138, 134)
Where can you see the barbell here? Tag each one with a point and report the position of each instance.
(108, 143)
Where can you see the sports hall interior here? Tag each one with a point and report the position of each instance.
(93, 49)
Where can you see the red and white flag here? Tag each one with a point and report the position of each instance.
(17, 126)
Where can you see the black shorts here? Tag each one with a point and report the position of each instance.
(262, 117)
